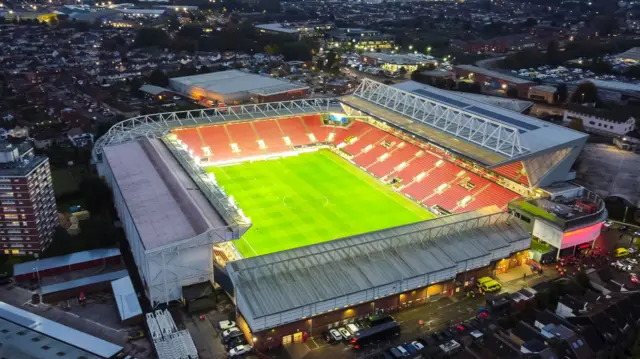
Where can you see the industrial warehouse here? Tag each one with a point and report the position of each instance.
(472, 178)
(235, 86)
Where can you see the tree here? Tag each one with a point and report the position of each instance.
(553, 57)
(402, 71)
(158, 78)
(152, 37)
(562, 93)
(512, 92)
(586, 92)
(296, 51)
(271, 49)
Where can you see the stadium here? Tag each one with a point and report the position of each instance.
(395, 194)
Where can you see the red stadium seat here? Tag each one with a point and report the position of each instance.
(294, 129)
(315, 126)
(243, 135)
(217, 139)
(515, 172)
(270, 133)
(192, 139)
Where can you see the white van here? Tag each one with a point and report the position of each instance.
(352, 328)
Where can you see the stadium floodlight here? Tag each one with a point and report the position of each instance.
(232, 201)
(212, 177)
(196, 159)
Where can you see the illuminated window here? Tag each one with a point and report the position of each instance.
(11, 216)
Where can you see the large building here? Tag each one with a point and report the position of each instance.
(235, 87)
(27, 335)
(202, 198)
(396, 62)
(493, 79)
(360, 39)
(28, 214)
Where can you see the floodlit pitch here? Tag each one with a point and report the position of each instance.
(310, 198)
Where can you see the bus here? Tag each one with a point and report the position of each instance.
(364, 337)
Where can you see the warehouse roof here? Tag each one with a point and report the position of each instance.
(611, 85)
(277, 28)
(64, 261)
(81, 282)
(234, 81)
(37, 337)
(511, 104)
(126, 298)
(631, 54)
(495, 74)
(290, 279)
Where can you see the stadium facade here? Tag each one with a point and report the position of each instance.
(458, 158)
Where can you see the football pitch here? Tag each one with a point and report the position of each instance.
(310, 198)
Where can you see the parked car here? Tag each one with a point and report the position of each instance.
(230, 334)
(622, 266)
(352, 327)
(335, 335)
(607, 223)
(135, 334)
(488, 284)
(623, 228)
(632, 251)
(630, 261)
(226, 324)
(620, 252)
(240, 350)
(417, 345)
(235, 342)
(345, 333)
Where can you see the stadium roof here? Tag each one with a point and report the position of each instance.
(26, 335)
(155, 211)
(64, 261)
(126, 298)
(283, 281)
(490, 135)
(234, 81)
(81, 282)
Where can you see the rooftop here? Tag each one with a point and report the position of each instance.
(534, 135)
(277, 27)
(81, 282)
(64, 261)
(163, 201)
(631, 54)
(24, 329)
(511, 104)
(234, 81)
(496, 74)
(126, 298)
(399, 59)
(611, 85)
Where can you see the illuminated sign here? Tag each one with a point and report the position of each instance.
(582, 235)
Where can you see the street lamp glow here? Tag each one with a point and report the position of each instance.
(410, 47)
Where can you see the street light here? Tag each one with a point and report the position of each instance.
(410, 47)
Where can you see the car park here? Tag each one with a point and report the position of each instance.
(631, 261)
(226, 324)
(624, 266)
(240, 350)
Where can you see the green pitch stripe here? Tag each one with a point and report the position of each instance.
(311, 198)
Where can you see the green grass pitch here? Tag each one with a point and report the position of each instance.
(310, 198)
